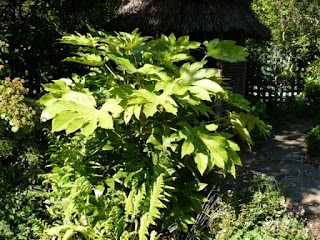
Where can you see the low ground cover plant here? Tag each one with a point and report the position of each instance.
(254, 208)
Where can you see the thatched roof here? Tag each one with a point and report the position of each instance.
(211, 18)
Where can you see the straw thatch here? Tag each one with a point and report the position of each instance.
(232, 19)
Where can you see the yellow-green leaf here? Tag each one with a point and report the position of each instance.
(128, 112)
(187, 148)
(105, 120)
(202, 162)
(212, 127)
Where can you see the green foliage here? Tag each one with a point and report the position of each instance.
(20, 213)
(242, 124)
(130, 135)
(294, 22)
(259, 137)
(308, 102)
(313, 140)
(312, 83)
(3, 52)
(254, 209)
(21, 208)
(22, 148)
(279, 66)
(32, 27)
(225, 50)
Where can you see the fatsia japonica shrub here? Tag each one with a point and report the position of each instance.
(136, 134)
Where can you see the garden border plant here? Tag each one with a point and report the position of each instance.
(22, 148)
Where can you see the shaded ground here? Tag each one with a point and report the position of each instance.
(284, 157)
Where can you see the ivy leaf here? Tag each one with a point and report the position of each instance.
(85, 99)
(91, 124)
(59, 86)
(170, 108)
(137, 111)
(84, 119)
(238, 128)
(62, 121)
(149, 69)
(234, 146)
(76, 111)
(226, 50)
(150, 109)
(217, 145)
(168, 142)
(54, 108)
(152, 101)
(73, 125)
(235, 157)
(200, 93)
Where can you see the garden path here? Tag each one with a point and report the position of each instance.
(284, 157)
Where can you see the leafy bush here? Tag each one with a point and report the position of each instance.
(312, 84)
(279, 66)
(20, 212)
(21, 161)
(313, 140)
(254, 209)
(308, 102)
(135, 131)
(260, 110)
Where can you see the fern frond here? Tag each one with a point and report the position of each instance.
(133, 203)
(154, 235)
(144, 226)
(139, 199)
(157, 197)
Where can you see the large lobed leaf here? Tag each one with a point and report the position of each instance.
(75, 111)
(226, 50)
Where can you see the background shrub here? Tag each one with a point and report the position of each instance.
(312, 84)
(32, 28)
(22, 156)
(279, 66)
(313, 141)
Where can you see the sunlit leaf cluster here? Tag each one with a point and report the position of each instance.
(145, 112)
